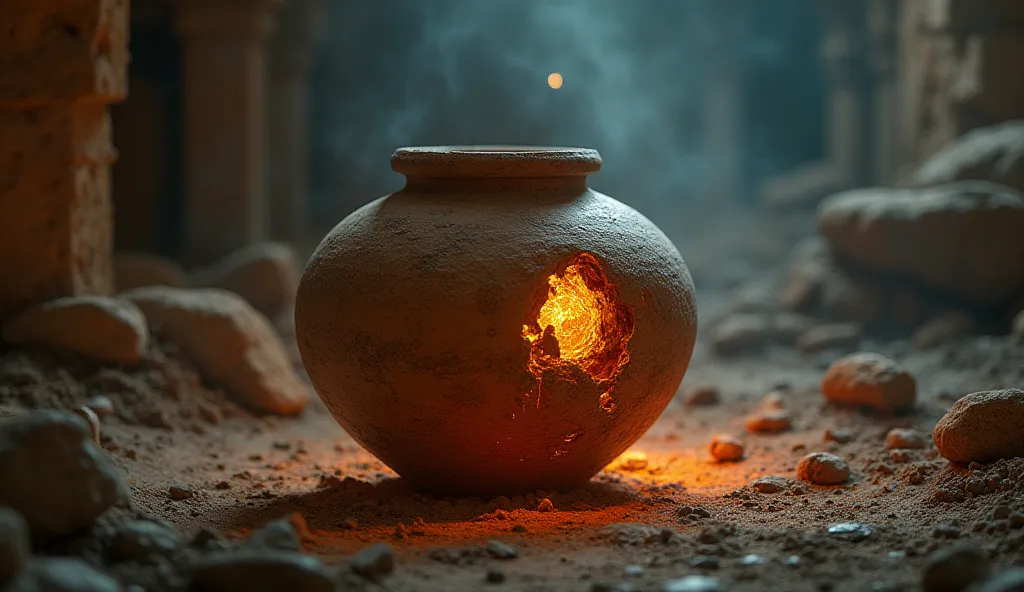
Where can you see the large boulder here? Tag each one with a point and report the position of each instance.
(965, 239)
(265, 274)
(231, 342)
(108, 330)
(53, 474)
(994, 153)
(137, 270)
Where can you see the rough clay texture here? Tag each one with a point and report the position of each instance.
(869, 380)
(108, 330)
(965, 238)
(138, 270)
(436, 361)
(232, 344)
(983, 427)
(53, 474)
(993, 153)
(63, 50)
(266, 275)
(55, 182)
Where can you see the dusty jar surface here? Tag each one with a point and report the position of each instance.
(496, 326)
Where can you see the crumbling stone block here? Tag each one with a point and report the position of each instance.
(54, 204)
(63, 50)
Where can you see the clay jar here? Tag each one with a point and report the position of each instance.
(496, 326)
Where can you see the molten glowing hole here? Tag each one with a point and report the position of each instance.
(582, 323)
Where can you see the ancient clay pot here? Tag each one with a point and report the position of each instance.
(496, 326)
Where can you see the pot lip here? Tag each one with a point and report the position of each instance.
(495, 161)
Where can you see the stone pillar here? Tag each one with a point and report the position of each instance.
(722, 112)
(960, 60)
(224, 80)
(883, 56)
(61, 65)
(291, 59)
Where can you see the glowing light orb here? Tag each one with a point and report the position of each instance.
(555, 80)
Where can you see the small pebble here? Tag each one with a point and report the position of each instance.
(500, 550)
(905, 438)
(953, 569)
(545, 505)
(946, 531)
(869, 380)
(138, 540)
(851, 531)
(101, 406)
(693, 584)
(769, 421)
(1001, 512)
(701, 396)
(822, 468)
(705, 562)
(726, 448)
(373, 562)
(180, 492)
(837, 435)
(771, 484)
(773, 400)
(633, 571)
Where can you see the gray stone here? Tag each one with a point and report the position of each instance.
(265, 274)
(954, 569)
(500, 550)
(62, 574)
(262, 571)
(693, 584)
(994, 153)
(54, 475)
(138, 540)
(15, 546)
(108, 330)
(277, 534)
(373, 562)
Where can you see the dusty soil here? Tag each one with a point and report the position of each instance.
(637, 524)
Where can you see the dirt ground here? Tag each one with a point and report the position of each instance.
(634, 527)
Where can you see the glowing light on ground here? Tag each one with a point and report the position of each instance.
(555, 80)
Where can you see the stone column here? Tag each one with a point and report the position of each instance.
(722, 112)
(292, 50)
(883, 48)
(61, 65)
(225, 116)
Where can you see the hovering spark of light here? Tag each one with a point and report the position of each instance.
(555, 80)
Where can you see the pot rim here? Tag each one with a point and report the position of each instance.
(495, 161)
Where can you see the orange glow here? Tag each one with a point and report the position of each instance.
(555, 80)
(581, 323)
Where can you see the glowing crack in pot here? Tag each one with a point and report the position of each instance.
(582, 325)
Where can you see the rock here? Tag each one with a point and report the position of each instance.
(62, 574)
(869, 380)
(266, 275)
(822, 468)
(769, 421)
(138, 540)
(1009, 581)
(108, 330)
(944, 328)
(982, 427)
(701, 396)
(774, 399)
(693, 584)
(953, 569)
(54, 475)
(374, 562)
(500, 550)
(847, 296)
(834, 335)
(230, 342)
(494, 576)
(1017, 329)
(180, 492)
(905, 438)
(138, 270)
(851, 531)
(15, 547)
(837, 435)
(771, 484)
(279, 534)
(261, 571)
(101, 405)
(726, 448)
(808, 270)
(965, 238)
(994, 153)
(787, 327)
(740, 332)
